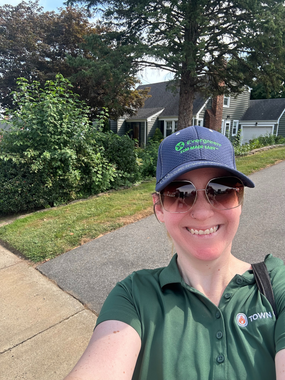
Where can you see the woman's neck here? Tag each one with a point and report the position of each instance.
(211, 277)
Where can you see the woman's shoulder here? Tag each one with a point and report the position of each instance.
(273, 263)
(276, 270)
(157, 277)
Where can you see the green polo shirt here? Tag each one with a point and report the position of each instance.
(185, 336)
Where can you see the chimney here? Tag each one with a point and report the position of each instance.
(214, 115)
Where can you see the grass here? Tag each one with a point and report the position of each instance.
(43, 235)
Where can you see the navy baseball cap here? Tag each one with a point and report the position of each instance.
(194, 148)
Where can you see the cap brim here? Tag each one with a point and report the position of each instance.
(189, 166)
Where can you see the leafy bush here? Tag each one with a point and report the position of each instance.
(158, 136)
(256, 143)
(120, 152)
(20, 190)
(148, 159)
(50, 150)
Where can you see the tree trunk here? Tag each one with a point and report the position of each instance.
(186, 100)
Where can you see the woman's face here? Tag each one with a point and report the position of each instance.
(218, 226)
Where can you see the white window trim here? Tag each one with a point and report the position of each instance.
(227, 124)
(172, 126)
(199, 121)
(223, 127)
(229, 101)
(237, 122)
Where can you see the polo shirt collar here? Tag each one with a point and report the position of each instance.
(170, 274)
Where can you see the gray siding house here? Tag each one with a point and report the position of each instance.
(231, 113)
(160, 111)
(263, 116)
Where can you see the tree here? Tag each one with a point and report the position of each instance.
(105, 77)
(259, 91)
(214, 47)
(35, 45)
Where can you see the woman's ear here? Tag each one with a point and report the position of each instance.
(157, 208)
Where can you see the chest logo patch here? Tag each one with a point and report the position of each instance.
(242, 320)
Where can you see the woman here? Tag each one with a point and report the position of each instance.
(202, 317)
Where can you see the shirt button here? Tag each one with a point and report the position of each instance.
(239, 280)
(220, 359)
(218, 314)
(227, 296)
(219, 334)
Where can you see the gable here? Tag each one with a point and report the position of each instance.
(162, 97)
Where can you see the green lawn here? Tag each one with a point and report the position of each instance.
(43, 235)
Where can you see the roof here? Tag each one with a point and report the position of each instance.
(145, 113)
(163, 98)
(264, 109)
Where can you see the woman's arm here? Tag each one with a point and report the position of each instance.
(111, 354)
(280, 365)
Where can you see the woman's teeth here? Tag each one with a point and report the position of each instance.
(203, 232)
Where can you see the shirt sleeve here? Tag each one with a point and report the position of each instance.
(278, 284)
(120, 306)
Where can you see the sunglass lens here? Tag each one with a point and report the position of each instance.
(225, 193)
(178, 197)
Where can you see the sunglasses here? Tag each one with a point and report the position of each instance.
(222, 193)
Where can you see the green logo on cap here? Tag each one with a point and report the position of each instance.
(179, 146)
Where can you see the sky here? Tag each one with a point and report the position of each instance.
(48, 5)
(147, 76)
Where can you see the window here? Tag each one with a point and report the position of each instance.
(197, 122)
(170, 126)
(235, 128)
(226, 101)
(227, 128)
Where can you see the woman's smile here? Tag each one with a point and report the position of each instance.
(207, 231)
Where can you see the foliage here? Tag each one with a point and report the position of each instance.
(148, 159)
(52, 148)
(158, 136)
(120, 151)
(259, 91)
(105, 78)
(35, 45)
(259, 142)
(211, 46)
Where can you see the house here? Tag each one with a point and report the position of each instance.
(263, 116)
(161, 111)
(228, 114)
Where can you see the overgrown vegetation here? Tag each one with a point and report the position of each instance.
(53, 154)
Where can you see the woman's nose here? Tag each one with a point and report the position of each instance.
(201, 209)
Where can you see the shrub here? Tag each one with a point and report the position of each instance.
(50, 148)
(120, 152)
(158, 136)
(256, 143)
(148, 159)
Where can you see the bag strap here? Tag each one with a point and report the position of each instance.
(263, 283)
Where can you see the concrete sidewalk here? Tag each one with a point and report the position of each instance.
(43, 330)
